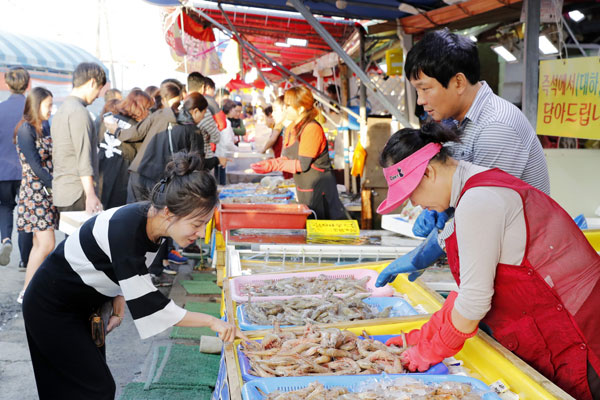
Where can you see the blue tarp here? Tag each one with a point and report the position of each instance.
(41, 54)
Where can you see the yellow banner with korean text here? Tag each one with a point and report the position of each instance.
(569, 98)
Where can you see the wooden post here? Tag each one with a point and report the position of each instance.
(366, 214)
(344, 92)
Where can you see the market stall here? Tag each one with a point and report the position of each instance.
(257, 259)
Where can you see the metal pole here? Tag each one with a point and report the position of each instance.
(320, 96)
(532, 38)
(564, 21)
(297, 4)
(183, 42)
(242, 43)
(265, 12)
(362, 93)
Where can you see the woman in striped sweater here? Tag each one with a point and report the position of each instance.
(108, 259)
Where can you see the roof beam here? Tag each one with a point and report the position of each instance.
(442, 16)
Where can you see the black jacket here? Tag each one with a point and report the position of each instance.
(162, 146)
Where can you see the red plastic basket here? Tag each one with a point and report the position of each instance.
(264, 216)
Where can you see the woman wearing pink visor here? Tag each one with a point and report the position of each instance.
(522, 265)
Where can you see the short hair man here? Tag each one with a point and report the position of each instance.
(209, 126)
(195, 82)
(11, 112)
(75, 143)
(444, 69)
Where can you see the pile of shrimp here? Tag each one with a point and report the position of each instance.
(320, 351)
(327, 309)
(386, 389)
(297, 285)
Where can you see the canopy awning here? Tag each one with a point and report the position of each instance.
(41, 54)
(264, 31)
(364, 9)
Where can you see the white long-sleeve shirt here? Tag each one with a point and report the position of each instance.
(490, 229)
(226, 143)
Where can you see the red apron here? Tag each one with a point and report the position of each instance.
(546, 309)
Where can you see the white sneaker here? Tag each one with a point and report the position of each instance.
(20, 298)
(169, 270)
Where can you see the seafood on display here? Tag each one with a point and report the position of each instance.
(254, 199)
(305, 285)
(385, 389)
(320, 351)
(299, 310)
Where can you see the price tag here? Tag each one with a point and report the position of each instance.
(332, 228)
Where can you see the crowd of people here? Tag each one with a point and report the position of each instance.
(82, 162)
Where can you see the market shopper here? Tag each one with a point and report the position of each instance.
(106, 260)
(182, 136)
(522, 265)
(444, 69)
(208, 126)
(305, 154)
(36, 213)
(75, 144)
(11, 111)
(114, 156)
(226, 143)
(144, 131)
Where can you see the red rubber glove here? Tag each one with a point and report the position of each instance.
(213, 147)
(427, 330)
(445, 341)
(276, 164)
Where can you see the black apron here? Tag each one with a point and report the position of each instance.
(316, 187)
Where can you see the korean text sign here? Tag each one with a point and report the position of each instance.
(569, 98)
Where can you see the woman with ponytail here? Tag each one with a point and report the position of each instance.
(107, 259)
(522, 265)
(305, 154)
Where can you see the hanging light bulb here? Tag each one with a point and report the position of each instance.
(341, 4)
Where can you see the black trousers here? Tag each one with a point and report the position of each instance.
(8, 200)
(66, 362)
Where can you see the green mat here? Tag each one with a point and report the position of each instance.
(179, 332)
(183, 366)
(135, 391)
(213, 309)
(204, 276)
(177, 372)
(201, 287)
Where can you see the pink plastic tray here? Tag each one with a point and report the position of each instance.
(239, 282)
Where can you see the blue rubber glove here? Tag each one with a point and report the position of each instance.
(580, 221)
(416, 260)
(430, 219)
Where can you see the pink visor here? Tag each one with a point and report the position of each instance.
(404, 176)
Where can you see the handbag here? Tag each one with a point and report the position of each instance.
(99, 322)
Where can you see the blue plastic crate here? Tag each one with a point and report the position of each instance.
(269, 385)
(251, 192)
(438, 369)
(400, 308)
